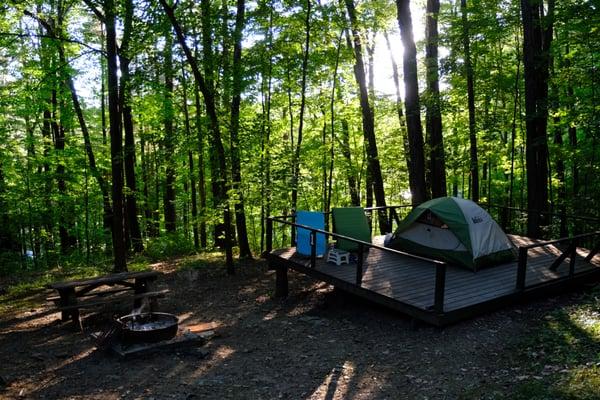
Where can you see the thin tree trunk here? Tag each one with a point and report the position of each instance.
(572, 135)
(350, 175)
(218, 185)
(103, 87)
(368, 120)
(201, 180)
(437, 165)
(169, 140)
(84, 130)
(265, 208)
(399, 111)
(65, 223)
(131, 207)
(236, 168)
(146, 181)
(192, 172)
(416, 172)
(332, 123)
(296, 159)
(217, 144)
(67, 240)
(560, 169)
(514, 131)
(116, 140)
(156, 149)
(474, 165)
(537, 35)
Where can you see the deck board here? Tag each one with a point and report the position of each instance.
(411, 281)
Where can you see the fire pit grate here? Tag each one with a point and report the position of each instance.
(148, 327)
(114, 340)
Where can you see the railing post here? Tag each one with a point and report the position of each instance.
(269, 234)
(440, 287)
(359, 265)
(313, 249)
(572, 260)
(293, 232)
(521, 268)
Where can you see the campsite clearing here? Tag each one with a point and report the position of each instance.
(316, 344)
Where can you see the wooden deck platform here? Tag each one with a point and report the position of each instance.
(408, 284)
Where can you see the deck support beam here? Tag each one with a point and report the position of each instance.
(359, 265)
(521, 268)
(440, 288)
(573, 255)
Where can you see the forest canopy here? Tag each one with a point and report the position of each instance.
(127, 123)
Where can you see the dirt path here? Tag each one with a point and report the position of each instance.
(317, 344)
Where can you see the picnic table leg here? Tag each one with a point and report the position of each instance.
(68, 298)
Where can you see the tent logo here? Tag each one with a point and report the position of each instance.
(476, 220)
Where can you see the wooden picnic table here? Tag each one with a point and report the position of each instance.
(83, 293)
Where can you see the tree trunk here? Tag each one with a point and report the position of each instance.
(192, 172)
(514, 131)
(217, 144)
(437, 167)
(296, 159)
(201, 182)
(116, 140)
(327, 207)
(129, 150)
(350, 175)
(169, 141)
(67, 240)
(474, 165)
(537, 36)
(572, 135)
(399, 111)
(83, 126)
(265, 206)
(210, 75)
(146, 181)
(236, 168)
(416, 172)
(368, 120)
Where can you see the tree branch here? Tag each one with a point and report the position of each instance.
(96, 12)
(61, 39)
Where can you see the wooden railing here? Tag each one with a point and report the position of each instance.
(393, 216)
(562, 225)
(570, 252)
(440, 266)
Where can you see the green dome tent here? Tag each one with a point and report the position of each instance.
(454, 230)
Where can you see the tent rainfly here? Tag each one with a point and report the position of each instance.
(454, 230)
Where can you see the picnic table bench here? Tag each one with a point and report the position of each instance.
(87, 293)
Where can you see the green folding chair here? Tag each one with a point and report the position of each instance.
(351, 222)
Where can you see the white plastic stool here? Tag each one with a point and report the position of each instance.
(338, 256)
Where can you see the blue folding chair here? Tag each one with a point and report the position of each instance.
(315, 220)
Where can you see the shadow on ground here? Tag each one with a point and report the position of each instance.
(317, 344)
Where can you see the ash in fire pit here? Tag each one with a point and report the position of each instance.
(148, 327)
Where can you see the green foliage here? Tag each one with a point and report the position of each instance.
(168, 246)
(32, 207)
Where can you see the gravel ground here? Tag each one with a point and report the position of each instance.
(316, 344)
